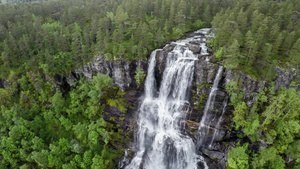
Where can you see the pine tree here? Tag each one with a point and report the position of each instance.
(295, 53)
(242, 20)
(76, 45)
(232, 55)
(251, 49)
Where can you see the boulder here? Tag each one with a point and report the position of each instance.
(196, 49)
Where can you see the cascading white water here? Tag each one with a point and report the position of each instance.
(161, 142)
(204, 127)
(204, 49)
(217, 128)
(124, 160)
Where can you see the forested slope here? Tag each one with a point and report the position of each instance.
(58, 36)
(42, 126)
(256, 37)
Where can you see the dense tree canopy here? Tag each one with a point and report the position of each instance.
(42, 126)
(255, 37)
(274, 120)
(58, 36)
(258, 35)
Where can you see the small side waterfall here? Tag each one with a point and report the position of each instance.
(150, 79)
(205, 121)
(161, 142)
(124, 161)
(217, 128)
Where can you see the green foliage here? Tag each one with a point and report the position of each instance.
(232, 56)
(59, 36)
(274, 119)
(282, 106)
(41, 158)
(295, 53)
(293, 150)
(235, 93)
(219, 54)
(139, 75)
(238, 158)
(296, 81)
(268, 158)
(250, 129)
(255, 39)
(47, 129)
(239, 113)
(44, 128)
(198, 24)
(100, 82)
(117, 103)
(58, 102)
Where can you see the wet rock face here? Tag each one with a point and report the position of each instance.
(250, 86)
(122, 72)
(195, 48)
(161, 58)
(126, 120)
(114, 116)
(121, 75)
(205, 71)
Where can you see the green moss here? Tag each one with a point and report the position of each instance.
(200, 98)
(139, 75)
(115, 97)
(118, 104)
(296, 81)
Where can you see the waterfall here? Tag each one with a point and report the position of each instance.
(203, 128)
(161, 142)
(124, 160)
(204, 49)
(217, 128)
(150, 79)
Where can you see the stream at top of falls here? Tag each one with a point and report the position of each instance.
(161, 142)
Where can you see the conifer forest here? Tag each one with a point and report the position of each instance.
(152, 84)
